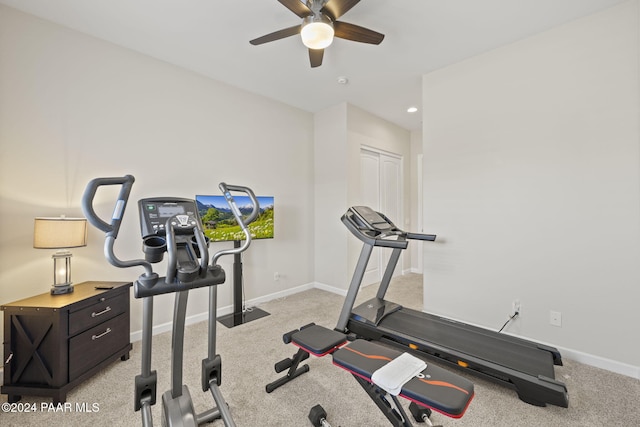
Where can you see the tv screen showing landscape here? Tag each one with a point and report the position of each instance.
(219, 224)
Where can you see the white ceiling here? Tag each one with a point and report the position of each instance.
(211, 37)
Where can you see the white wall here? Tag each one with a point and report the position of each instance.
(340, 132)
(73, 107)
(414, 199)
(532, 182)
(330, 196)
(531, 172)
(368, 130)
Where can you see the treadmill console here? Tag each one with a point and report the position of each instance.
(155, 212)
(375, 229)
(369, 219)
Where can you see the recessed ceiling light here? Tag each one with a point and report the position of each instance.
(412, 109)
(343, 80)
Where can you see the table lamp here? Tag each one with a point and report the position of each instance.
(60, 233)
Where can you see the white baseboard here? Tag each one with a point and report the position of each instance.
(201, 317)
(601, 362)
(166, 327)
(578, 356)
(332, 289)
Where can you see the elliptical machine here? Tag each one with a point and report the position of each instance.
(172, 225)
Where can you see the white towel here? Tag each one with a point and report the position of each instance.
(395, 374)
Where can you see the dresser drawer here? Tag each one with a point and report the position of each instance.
(97, 344)
(103, 309)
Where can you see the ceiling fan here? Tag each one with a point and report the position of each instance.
(319, 25)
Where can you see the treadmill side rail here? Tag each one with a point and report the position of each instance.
(538, 390)
(557, 358)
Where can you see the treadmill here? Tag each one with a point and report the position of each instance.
(523, 365)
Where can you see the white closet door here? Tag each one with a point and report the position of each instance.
(370, 196)
(381, 190)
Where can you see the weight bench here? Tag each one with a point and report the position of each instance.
(383, 372)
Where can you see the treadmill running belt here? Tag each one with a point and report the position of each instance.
(493, 347)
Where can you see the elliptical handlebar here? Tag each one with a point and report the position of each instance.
(243, 223)
(226, 188)
(185, 271)
(111, 229)
(121, 203)
(188, 274)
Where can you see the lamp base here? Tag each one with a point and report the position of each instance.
(61, 289)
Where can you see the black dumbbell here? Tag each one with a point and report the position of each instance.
(318, 417)
(420, 413)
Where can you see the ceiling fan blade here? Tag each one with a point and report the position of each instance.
(336, 8)
(277, 35)
(356, 33)
(297, 7)
(315, 57)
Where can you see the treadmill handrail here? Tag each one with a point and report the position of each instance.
(421, 236)
(373, 240)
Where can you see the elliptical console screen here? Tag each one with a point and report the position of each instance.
(155, 212)
(166, 211)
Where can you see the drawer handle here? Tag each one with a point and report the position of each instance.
(106, 310)
(95, 337)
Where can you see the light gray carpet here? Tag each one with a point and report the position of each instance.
(597, 397)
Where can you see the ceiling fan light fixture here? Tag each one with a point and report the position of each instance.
(317, 32)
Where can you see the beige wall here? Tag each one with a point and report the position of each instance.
(340, 133)
(330, 196)
(531, 172)
(532, 182)
(415, 199)
(73, 108)
(367, 130)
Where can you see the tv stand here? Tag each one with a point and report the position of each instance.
(239, 317)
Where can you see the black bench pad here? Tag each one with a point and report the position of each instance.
(318, 340)
(440, 390)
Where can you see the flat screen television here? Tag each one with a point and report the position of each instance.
(220, 225)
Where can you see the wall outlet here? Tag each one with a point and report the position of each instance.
(276, 276)
(516, 307)
(555, 318)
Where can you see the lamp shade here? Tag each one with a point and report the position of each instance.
(58, 233)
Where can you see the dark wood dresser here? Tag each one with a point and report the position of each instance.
(54, 342)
